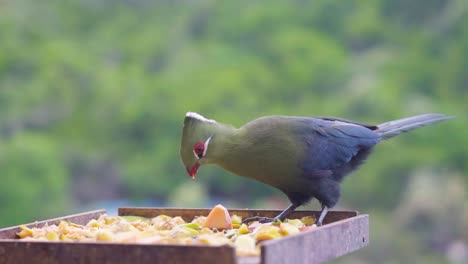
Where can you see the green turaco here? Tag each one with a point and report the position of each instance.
(304, 157)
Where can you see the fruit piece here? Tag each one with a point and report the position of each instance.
(52, 236)
(132, 218)
(267, 232)
(308, 220)
(108, 220)
(65, 238)
(218, 218)
(164, 222)
(104, 235)
(308, 228)
(25, 232)
(190, 231)
(236, 219)
(182, 231)
(178, 220)
(206, 231)
(214, 240)
(288, 229)
(243, 229)
(125, 237)
(73, 224)
(254, 225)
(296, 222)
(245, 246)
(199, 220)
(93, 223)
(194, 226)
(231, 234)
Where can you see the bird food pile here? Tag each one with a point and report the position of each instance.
(216, 229)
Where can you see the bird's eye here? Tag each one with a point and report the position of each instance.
(198, 149)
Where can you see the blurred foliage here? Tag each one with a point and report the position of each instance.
(93, 95)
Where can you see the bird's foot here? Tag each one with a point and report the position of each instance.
(260, 219)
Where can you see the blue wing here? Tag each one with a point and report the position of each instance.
(332, 144)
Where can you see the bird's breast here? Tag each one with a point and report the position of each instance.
(271, 158)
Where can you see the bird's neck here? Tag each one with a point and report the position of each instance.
(227, 145)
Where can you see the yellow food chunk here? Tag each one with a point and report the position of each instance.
(243, 229)
(288, 229)
(206, 231)
(63, 227)
(267, 232)
(108, 220)
(25, 232)
(63, 237)
(308, 220)
(194, 226)
(182, 231)
(245, 246)
(52, 236)
(236, 219)
(104, 235)
(296, 222)
(93, 223)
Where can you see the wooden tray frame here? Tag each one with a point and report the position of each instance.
(343, 232)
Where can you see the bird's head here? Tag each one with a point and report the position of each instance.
(196, 137)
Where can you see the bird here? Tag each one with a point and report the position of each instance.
(304, 157)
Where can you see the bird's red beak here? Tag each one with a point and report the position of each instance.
(193, 171)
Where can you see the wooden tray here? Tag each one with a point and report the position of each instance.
(342, 233)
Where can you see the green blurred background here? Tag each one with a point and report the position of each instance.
(93, 94)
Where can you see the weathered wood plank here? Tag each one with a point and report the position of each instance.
(14, 252)
(81, 219)
(248, 260)
(319, 245)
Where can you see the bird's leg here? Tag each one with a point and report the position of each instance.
(323, 213)
(280, 217)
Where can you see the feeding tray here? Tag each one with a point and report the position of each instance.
(343, 232)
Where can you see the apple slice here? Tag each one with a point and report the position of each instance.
(218, 218)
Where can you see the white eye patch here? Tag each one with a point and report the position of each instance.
(206, 146)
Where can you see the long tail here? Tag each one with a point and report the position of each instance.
(394, 128)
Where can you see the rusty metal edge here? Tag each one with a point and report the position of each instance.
(336, 239)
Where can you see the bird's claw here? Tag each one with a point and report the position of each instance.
(260, 219)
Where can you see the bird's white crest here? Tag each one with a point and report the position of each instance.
(199, 117)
